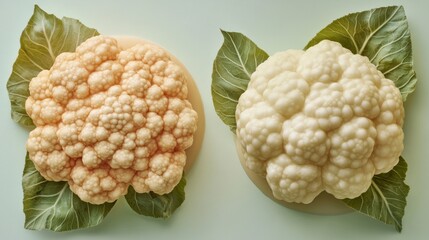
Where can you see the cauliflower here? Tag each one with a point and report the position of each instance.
(319, 120)
(108, 118)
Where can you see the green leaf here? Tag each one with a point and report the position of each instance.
(53, 206)
(154, 205)
(236, 60)
(383, 36)
(44, 38)
(385, 199)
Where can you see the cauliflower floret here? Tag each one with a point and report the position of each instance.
(318, 120)
(107, 119)
(164, 173)
(293, 182)
(260, 131)
(328, 106)
(47, 154)
(304, 140)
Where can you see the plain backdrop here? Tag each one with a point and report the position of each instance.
(222, 203)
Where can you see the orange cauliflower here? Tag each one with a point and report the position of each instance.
(108, 118)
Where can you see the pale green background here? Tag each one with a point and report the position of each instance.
(221, 201)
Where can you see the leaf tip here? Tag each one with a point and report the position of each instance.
(225, 33)
(400, 7)
(398, 228)
(38, 9)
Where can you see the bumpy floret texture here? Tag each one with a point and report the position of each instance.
(318, 120)
(108, 118)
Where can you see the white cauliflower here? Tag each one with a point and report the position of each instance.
(319, 120)
(107, 119)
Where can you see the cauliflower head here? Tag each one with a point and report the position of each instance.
(108, 118)
(323, 119)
